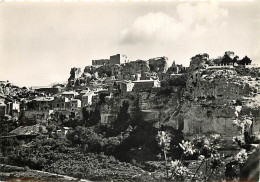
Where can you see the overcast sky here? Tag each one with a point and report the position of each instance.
(40, 42)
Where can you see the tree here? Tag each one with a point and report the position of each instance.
(137, 115)
(226, 59)
(235, 60)
(164, 142)
(245, 61)
(123, 115)
(95, 117)
(85, 114)
(122, 120)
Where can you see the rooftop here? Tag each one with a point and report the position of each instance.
(140, 81)
(75, 100)
(2, 104)
(84, 91)
(28, 130)
(88, 93)
(68, 93)
(38, 87)
(44, 99)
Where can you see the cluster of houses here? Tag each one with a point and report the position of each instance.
(9, 105)
(126, 77)
(68, 100)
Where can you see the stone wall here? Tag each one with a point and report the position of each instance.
(117, 59)
(100, 61)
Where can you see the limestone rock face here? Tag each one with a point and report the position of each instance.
(75, 74)
(109, 111)
(158, 65)
(104, 71)
(199, 61)
(210, 103)
(215, 98)
(160, 105)
(101, 70)
(134, 67)
(155, 107)
(90, 69)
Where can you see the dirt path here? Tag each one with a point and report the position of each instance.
(37, 173)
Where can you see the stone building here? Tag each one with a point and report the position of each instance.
(47, 90)
(146, 84)
(113, 60)
(69, 94)
(15, 108)
(115, 70)
(126, 86)
(44, 103)
(117, 59)
(129, 86)
(75, 103)
(2, 109)
(83, 92)
(88, 98)
(100, 62)
(59, 103)
(38, 116)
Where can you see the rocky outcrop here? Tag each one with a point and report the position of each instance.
(207, 99)
(109, 111)
(215, 98)
(132, 68)
(75, 74)
(139, 69)
(158, 65)
(156, 107)
(210, 103)
(160, 104)
(90, 69)
(176, 69)
(199, 61)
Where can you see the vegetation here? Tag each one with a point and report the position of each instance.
(130, 148)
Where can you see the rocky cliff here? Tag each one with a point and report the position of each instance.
(211, 102)
(212, 99)
(215, 98)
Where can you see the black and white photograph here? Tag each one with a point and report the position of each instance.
(129, 90)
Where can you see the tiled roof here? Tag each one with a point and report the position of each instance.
(68, 93)
(88, 93)
(44, 99)
(28, 130)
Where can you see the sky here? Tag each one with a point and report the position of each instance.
(40, 42)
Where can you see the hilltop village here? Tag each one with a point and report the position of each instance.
(105, 77)
(115, 107)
